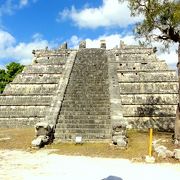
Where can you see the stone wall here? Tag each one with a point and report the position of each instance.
(87, 92)
(148, 89)
(27, 100)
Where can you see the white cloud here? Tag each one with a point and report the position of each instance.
(23, 3)
(22, 52)
(171, 57)
(113, 41)
(111, 13)
(6, 39)
(74, 42)
(10, 49)
(9, 6)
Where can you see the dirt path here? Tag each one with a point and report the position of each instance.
(20, 165)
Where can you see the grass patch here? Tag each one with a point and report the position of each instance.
(137, 146)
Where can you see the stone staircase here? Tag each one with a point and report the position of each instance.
(92, 93)
(85, 109)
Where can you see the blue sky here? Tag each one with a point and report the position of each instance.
(35, 24)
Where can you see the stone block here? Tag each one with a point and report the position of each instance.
(64, 46)
(177, 154)
(82, 45)
(119, 140)
(103, 44)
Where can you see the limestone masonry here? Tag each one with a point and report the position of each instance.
(93, 93)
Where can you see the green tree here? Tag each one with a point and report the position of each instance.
(161, 20)
(6, 76)
(13, 69)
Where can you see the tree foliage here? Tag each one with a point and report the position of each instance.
(161, 20)
(7, 76)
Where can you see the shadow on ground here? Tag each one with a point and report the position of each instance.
(112, 178)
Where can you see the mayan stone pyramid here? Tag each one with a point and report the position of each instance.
(89, 91)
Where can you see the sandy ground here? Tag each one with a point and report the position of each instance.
(20, 165)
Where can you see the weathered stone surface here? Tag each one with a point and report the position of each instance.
(103, 44)
(25, 78)
(164, 123)
(44, 69)
(82, 45)
(151, 99)
(161, 150)
(28, 89)
(37, 142)
(147, 76)
(95, 94)
(64, 46)
(140, 66)
(177, 127)
(120, 140)
(148, 87)
(27, 99)
(177, 154)
(85, 110)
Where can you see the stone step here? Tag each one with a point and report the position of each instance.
(86, 109)
(158, 123)
(87, 102)
(159, 65)
(84, 130)
(102, 82)
(25, 100)
(52, 61)
(37, 78)
(159, 76)
(30, 88)
(132, 58)
(160, 87)
(140, 99)
(99, 100)
(86, 105)
(82, 126)
(37, 68)
(19, 122)
(87, 94)
(91, 117)
(87, 119)
(89, 136)
(22, 111)
(134, 50)
(83, 112)
(149, 110)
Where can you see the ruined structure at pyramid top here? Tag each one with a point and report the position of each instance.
(102, 45)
